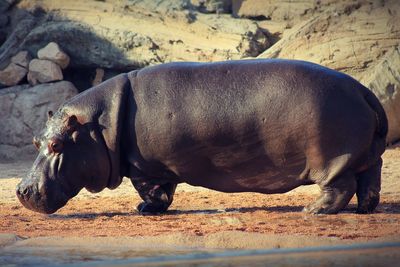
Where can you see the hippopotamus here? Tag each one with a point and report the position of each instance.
(264, 125)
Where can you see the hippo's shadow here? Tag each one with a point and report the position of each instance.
(386, 208)
(90, 215)
(238, 210)
(94, 215)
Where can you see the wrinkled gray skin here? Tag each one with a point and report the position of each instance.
(263, 126)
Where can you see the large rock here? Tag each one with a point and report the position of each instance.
(54, 53)
(12, 74)
(22, 59)
(23, 113)
(44, 71)
(350, 40)
(384, 80)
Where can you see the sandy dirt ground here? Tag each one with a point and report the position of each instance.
(198, 212)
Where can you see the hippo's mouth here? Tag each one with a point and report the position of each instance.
(45, 191)
(42, 203)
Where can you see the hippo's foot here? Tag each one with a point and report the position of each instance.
(157, 197)
(368, 188)
(335, 196)
(146, 208)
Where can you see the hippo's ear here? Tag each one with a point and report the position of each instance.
(72, 121)
(49, 114)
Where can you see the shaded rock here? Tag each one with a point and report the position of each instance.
(213, 6)
(4, 20)
(32, 79)
(6, 4)
(88, 47)
(253, 44)
(43, 71)
(24, 112)
(12, 75)
(164, 31)
(53, 53)
(22, 59)
(384, 80)
(167, 7)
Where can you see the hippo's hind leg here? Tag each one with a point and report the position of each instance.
(368, 188)
(157, 197)
(335, 195)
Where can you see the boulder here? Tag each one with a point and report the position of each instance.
(384, 80)
(53, 53)
(24, 113)
(22, 59)
(44, 71)
(12, 74)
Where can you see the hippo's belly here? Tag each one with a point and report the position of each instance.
(240, 172)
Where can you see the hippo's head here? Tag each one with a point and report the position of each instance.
(72, 155)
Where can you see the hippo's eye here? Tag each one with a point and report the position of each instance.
(55, 146)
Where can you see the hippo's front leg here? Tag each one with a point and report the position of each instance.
(157, 197)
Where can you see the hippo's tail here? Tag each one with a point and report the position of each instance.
(379, 143)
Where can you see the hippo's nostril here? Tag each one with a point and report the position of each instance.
(25, 191)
